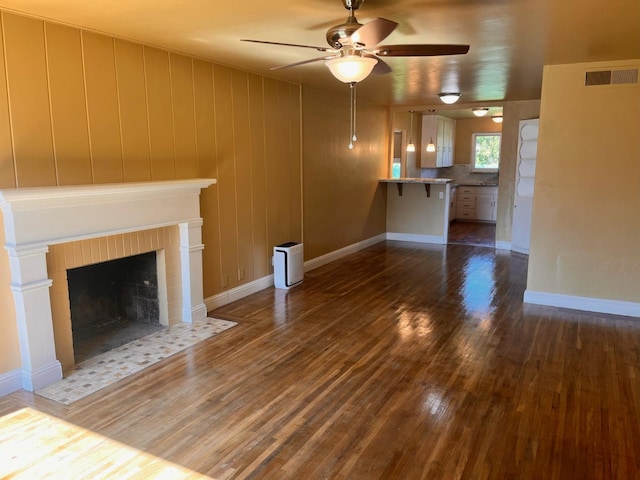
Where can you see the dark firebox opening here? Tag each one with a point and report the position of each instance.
(113, 303)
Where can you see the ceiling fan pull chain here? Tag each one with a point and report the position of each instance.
(351, 116)
(355, 110)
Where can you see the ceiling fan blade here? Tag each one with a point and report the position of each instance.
(303, 62)
(381, 67)
(320, 49)
(419, 50)
(372, 33)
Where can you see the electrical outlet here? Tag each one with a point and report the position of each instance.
(241, 273)
(225, 280)
(440, 195)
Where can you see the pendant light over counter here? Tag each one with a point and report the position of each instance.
(431, 147)
(411, 147)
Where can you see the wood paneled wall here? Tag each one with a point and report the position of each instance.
(344, 203)
(77, 107)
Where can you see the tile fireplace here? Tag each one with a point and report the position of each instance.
(79, 224)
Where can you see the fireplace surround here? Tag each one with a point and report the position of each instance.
(39, 217)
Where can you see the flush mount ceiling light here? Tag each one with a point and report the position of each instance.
(411, 146)
(351, 68)
(497, 118)
(480, 111)
(449, 97)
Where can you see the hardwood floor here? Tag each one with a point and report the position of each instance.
(480, 234)
(402, 361)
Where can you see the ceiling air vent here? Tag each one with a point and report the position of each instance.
(611, 77)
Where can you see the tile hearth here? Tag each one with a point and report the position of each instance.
(105, 369)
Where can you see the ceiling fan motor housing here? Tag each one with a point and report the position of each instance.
(337, 34)
(352, 4)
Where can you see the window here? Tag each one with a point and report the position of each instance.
(485, 152)
(396, 161)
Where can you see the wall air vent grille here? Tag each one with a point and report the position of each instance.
(611, 77)
(619, 77)
(602, 77)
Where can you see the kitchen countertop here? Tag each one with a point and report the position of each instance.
(474, 184)
(437, 181)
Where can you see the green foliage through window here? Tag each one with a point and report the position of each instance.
(486, 151)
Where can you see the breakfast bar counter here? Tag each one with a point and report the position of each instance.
(427, 182)
(418, 210)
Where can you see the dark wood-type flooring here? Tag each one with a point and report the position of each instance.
(402, 361)
(480, 234)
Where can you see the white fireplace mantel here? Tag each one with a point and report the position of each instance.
(35, 218)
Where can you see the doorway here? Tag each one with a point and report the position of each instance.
(477, 234)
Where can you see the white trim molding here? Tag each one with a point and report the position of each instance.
(502, 245)
(342, 252)
(413, 237)
(10, 381)
(588, 304)
(239, 292)
(35, 218)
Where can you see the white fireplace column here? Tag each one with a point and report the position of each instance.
(35, 218)
(30, 286)
(193, 307)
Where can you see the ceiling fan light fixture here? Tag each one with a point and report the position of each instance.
(449, 97)
(480, 111)
(351, 68)
(497, 118)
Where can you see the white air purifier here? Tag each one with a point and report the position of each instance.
(288, 265)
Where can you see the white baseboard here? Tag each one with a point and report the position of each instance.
(413, 237)
(342, 252)
(198, 313)
(502, 245)
(33, 380)
(10, 382)
(520, 250)
(588, 304)
(239, 292)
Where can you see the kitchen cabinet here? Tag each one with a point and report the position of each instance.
(485, 208)
(466, 204)
(477, 203)
(442, 130)
(448, 141)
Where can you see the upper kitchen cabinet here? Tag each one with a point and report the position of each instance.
(442, 131)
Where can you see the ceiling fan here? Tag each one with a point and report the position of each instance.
(354, 51)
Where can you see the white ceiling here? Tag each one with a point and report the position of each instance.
(510, 39)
